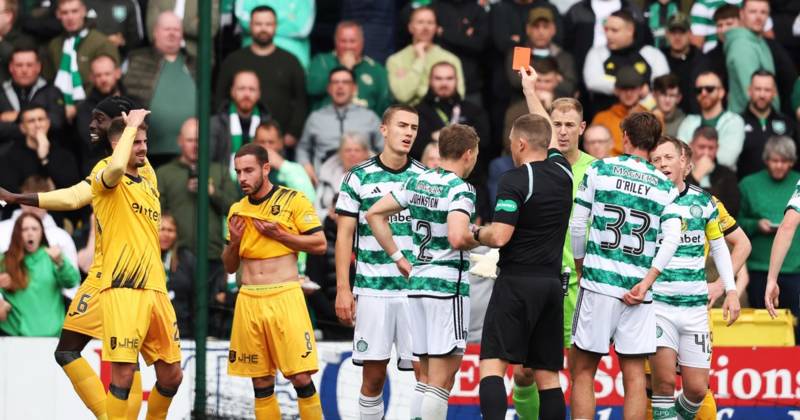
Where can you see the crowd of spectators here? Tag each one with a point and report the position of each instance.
(309, 81)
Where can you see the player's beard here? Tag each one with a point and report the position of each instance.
(258, 185)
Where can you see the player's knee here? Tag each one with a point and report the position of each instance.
(300, 380)
(64, 358)
(264, 382)
(695, 392)
(172, 378)
(523, 376)
(664, 387)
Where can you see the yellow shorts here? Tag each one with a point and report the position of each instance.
(85, 315)
(139, 320)
(271, 330)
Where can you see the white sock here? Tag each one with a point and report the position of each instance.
(416, 401)
(434, 404)
(370, 408)
(686, 410)
(664, 407)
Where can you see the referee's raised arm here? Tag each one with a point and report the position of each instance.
(529, 77)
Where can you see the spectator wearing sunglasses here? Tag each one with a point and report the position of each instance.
(710, 93)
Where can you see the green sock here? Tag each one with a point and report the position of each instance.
(526, 401)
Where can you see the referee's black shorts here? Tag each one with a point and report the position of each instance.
(524, 321)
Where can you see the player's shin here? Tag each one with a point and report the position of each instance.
(266, 403)
(308, 402)
(708, 410)
(493, 398)
(434, 403)
(526, 401)
(664, 407)
(416, 401)
(159, 401)
(85, 381)
(135, 396)
(553, 406)
(686, 409)
(117, 402)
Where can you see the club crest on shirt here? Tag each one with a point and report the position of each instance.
(276, 210)
(695, 211)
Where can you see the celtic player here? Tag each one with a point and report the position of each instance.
(629, 202)
(680, 293)
(442, 205)
(381, 313)
(780, 247)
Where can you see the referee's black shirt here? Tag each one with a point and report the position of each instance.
(536, 198)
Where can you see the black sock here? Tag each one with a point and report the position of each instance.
(552, 405)
(494, 402)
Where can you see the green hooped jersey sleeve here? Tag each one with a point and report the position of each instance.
(794, 202)
(363, 186)
(628, 199)
(439, 270)
(683, 281)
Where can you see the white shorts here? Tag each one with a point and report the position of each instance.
(439, 327)
(380, 323)
(686, 331)
(600, 320)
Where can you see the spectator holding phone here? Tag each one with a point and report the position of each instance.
(764, 197)
(32, 275)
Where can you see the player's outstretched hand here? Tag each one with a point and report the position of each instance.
(236, 228)
(404, 266)
(135, 118)
(345, 307)
(636, 295)
(715, 291)
(771, 298)
(731, 307)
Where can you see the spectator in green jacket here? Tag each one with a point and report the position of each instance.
(764, 197)
(32, 275)
(373, 85)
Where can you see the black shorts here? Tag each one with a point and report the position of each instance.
(525, 322)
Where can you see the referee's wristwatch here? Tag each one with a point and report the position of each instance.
(476, 234)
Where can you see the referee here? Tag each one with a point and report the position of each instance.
(524, 321)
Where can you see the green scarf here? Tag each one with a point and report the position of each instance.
(68, 79)
(236, 131)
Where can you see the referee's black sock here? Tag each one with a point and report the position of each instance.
(551, 404)
(493, 398)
